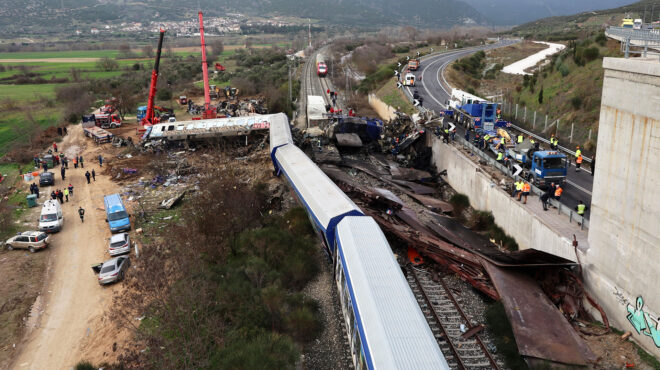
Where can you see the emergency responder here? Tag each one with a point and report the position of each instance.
(486, 138)
(558, 191)
(581, 208)
(81, 213)
(520, 138)
(518, 185)
(578, 163)
(500, 156)
(526, 188)
(554, 142)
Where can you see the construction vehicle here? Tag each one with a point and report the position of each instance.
(627, 22)
(413, 64)
(208, 112)
(219, 67)
(149, 117)
(160, 114)
(103, 120)
(473, 111)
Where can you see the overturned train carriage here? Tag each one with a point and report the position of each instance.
(385, 327)
(197, 130)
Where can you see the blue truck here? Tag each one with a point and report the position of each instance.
(545, 167)
(115, 213)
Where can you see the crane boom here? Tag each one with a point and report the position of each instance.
(149, 117)
(208, 111)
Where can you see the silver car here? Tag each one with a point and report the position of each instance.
(30, 240)
(119, 244)
(112, 270)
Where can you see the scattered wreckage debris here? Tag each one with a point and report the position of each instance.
(170, 202)
(473, 257)
(119, 141)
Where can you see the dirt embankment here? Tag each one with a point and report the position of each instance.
(68, 322)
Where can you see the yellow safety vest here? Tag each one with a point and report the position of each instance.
(486, 137)
(577, 153)
(519, 185)
(499, 156)
(581, 208)
(503, 141)
(531, 141)
(520, 139)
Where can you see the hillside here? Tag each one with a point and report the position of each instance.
(571, 85)
(512, 12)
(574, 26)
(20, 17)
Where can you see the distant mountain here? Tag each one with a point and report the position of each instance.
(514, 12)
(28, 16)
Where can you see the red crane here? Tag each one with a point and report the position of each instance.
(150, 118)
(208, 111)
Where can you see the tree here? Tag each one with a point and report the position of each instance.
(126, 100)
(106, 64)
(148, 51)
(248, 43)
(217, 47)
(541, 96)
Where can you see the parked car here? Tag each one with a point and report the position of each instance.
(119, 244)
(51, 218)
(30, 240)
(115, 213)
(47, 179)
(112, 270)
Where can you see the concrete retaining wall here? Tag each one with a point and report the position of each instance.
(512, 216)
(625, 208)
(385, 111)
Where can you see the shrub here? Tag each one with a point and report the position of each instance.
(401, 49)
(164, 94)
(576, 102)
(460, 202)
(601, 39)
(563, 70)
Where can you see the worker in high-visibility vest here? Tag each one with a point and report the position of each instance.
(581, 208)
(525, 191)
(518, 185)
(578, 163)
(486, 138)
(553, 142)
(558, 191)
(520, 138)
(578, 152)
(500, 156)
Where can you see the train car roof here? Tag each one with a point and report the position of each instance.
(391, 323)
(325, 201)
(262, 121)
(280, 132)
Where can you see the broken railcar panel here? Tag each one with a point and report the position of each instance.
(541, 331)
(211, 128)
(435, 205)
(349, 140)
(416, 188)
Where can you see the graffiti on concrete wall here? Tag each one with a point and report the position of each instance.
(643, 322)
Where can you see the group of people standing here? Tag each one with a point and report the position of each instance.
(62, 195)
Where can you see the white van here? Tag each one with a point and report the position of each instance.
(409, 80)
(51, 218)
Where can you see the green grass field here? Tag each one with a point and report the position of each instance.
(60, 54)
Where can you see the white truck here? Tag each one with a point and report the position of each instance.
(316, 113)
(51, 218)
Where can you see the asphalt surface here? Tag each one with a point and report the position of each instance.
(435, 92)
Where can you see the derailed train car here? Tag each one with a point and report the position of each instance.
(386, 328)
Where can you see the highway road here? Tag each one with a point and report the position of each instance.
(435, 92)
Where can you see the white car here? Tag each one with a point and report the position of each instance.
(119, 244)
(112, 270)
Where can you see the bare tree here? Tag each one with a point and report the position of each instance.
(217, 47)
(148, 51)
(126, 100)
(106, 64)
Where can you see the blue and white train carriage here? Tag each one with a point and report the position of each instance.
(385, 326)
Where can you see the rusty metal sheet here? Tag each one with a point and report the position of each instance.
(433, 204)
(541, 331)
(417, 188)
(409, 174)
(349, 140)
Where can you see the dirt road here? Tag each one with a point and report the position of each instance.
(71, 326)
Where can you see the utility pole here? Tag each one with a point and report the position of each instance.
(310, 32)
(290, 88)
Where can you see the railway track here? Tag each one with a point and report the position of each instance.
(446, 318)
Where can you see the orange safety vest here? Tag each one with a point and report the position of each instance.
(558, 192)
(526, 188)
(579, 159)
